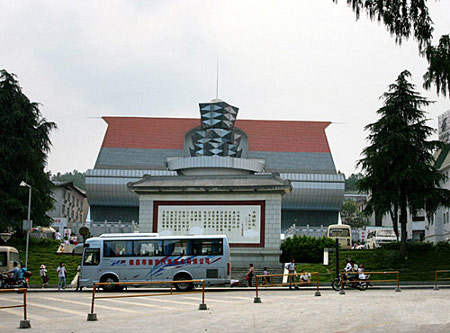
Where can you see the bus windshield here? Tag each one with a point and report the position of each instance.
(339, 232)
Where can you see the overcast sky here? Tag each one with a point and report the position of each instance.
(283, 60)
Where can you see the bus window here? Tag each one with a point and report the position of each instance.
(13, 256)
(207, 246)
(147, 248)
(91, 257)
(120, 248)
(175, 247)
(3, 260)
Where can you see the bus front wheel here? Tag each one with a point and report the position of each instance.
(183, 286)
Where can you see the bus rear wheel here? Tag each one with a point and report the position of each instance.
(183, 286)
(112, 287)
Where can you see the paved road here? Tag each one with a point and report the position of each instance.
(234, 311)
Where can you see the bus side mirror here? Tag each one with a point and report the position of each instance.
(86, 245)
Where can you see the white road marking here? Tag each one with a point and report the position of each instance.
(60, 309)
(31, 316)
(238, 297)
(142, 304)
(208, 300)
(168, 301)
(96, 305)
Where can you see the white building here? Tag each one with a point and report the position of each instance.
(439, 229)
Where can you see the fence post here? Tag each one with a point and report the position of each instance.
(317, 293)
(435, 281)
(203, 306)
(342, 292)
(25, 323)
(398, 283)
(92, 316)
(257, 299)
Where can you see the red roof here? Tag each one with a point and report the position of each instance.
(263, 135)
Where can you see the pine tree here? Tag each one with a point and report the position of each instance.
(24, 145)
(398, 165)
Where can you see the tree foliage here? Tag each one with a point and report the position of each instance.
(398, 165)
(78, 178)
(402, 18)
(406, 18)
(305, 248)
(351, 215)
(350, 182)
(24, 145)
(438, 72)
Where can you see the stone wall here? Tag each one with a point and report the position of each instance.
(240, 257)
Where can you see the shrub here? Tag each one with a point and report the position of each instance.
(305, 249)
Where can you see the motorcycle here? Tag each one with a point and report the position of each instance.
(21, 282)
(350, 283)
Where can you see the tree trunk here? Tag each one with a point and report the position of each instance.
(403, 221)
(394, 217)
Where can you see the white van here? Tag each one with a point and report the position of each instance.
(380, 236)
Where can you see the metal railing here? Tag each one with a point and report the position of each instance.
(291, 282)
(397, 279)
(441, 279)
(25, 323)
(93, 316)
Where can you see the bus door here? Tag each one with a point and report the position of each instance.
(209, 259)
(90, 263)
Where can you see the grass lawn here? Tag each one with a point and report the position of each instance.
(44, 252)
(422, 261)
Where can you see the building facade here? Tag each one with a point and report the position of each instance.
(438, 230)
(296, 150)
(70, 203)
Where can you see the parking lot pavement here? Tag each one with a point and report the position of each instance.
(234, 311)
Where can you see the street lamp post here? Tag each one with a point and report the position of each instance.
(29, 221)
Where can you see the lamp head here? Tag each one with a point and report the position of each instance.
(22, 183)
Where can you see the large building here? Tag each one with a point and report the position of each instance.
(296, 150)
(70, 202)
(438, 229)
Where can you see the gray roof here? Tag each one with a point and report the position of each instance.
(213, 183)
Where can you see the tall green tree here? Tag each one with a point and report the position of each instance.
(398, 165)
(352, 216)
(350, 182)
(438, 72)
(411, 18)
(24, 145)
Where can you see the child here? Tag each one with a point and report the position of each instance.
(43, 274)
(266, 278)
(361, 275)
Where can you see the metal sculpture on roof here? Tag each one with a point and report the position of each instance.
(216, 137)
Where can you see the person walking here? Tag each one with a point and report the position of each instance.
(251, 272)
(291, 270)
(266, 277)
(43, 274)
(62, 272)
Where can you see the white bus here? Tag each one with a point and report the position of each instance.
(342, 232)
(149, 257)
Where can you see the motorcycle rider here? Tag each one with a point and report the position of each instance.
(13, 274)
